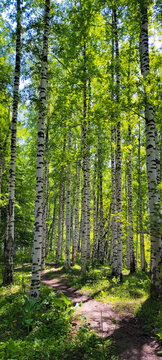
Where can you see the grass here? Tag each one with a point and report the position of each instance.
(43, 329)
(132, 295)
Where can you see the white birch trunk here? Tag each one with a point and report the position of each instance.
(76, 231)
(130, 206)
(68, 207)
(114, 257)
(59, 243)
(8, 259)
(45, 204)
(118, 155)
(95, 239)
(36, 263)
(85, 173)
(101, 225)
(142, 247)
(154, 196)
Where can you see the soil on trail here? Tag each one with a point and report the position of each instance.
(127, 332)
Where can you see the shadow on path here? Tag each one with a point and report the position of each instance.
(127, 332)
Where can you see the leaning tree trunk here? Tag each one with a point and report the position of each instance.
(151, 155)
(68, 207)
(36, 263)
(118, 153)
(8, 259)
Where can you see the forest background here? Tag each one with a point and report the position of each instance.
(88, 119)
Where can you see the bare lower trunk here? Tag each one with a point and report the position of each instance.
(45, 204)
(68, 208)
(95, 239)
(85, 174)
(114, 259)
(130, 207)
(142, 247)
(36, 263)
(76, 231)
(59, 243)
(118, 153)
(101, 225)
(8, 259)
(151, 155)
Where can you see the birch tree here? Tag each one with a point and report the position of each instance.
(151, 155)
(36, 263)
(8, 259)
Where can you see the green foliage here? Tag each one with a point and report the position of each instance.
(43, 329)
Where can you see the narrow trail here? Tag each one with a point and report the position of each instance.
(131, 340)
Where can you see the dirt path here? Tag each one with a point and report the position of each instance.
(127, 332)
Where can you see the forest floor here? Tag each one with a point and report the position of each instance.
(132, 340)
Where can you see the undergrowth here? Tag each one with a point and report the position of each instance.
(43, 329)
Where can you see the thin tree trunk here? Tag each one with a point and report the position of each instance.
(51, 230)
(85, 173)
(151, 155)
(95, 238)
(101, 235)
(114, 259)
(76, 231)
(118, 154)
(130, 200)
(130, 206)
(59, 243)
(8, 259)
(142, 247)
(68, 207)
(45, 203)
(36, 263)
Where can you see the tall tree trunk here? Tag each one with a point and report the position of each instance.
(85, 172)
(76, 231)
(68, 207)
(59, 243)
(130, 200)
(114, 259)
(45, 203)
(36, 263)
(95, 238)
(118, 153)
(2, 159)
(101, 225)
(142, 247)
(130, 206)
(8, 259)
(113, 250)
(52, 227)
(151, 155)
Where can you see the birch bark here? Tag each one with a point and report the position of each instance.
(151, 155)
(95, 239)
(68, 207)
(45, 203)
(76, 231)
(36, 263)
(9, 245)
(118, 152)
(142, 247)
